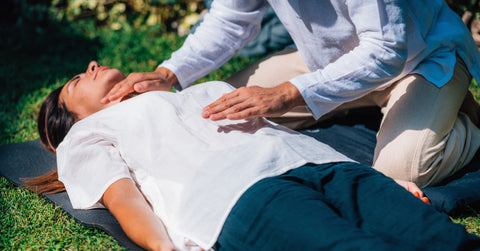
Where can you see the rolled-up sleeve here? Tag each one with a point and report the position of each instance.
(379, 57)
(227, 27)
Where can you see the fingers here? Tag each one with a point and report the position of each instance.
(136, 82)
(233, 106)
(151, 85)
(245, 102)
(118, 91)
(235, 113)
(254, 101)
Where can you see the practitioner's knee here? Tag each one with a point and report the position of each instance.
(427, 157)
(405, 158)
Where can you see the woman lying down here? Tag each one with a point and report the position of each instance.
(176, 181)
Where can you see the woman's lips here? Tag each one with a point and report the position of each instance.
(99, 69)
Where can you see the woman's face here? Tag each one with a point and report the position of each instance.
(82, 94)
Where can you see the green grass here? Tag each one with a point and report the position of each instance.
(39, 59)
(470, 219)
(29, 222)
(36, 61)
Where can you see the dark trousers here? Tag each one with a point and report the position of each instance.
(340, 206)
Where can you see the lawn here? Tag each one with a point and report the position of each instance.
(36, 59)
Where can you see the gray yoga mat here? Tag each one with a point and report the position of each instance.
(353, 138)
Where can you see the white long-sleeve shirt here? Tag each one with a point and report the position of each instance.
(191, 170)
(351, 47)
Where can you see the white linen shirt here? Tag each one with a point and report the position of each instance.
(352, 47)
(191, 170)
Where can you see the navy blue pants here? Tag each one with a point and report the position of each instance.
(340, 206)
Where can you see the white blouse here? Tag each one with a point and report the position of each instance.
(192, 170)
(352, 47)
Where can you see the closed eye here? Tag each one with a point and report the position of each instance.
(73, 81)
(77, 79)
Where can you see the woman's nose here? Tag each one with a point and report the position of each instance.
(92, 66)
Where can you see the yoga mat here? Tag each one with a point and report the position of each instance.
(350, 136)
(30, 159)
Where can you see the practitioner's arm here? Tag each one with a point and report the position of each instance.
(135, 216)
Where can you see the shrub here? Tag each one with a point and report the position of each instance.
(170, 15)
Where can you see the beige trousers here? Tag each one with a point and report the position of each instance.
(422, 137)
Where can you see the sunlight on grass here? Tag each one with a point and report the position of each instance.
(471, 221)
(42, 61)
(475, 89)
(27, 221)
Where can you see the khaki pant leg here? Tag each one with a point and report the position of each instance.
(272, 71)
(283, 66)
(423, 138)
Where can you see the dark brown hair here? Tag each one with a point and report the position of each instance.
(54, 121)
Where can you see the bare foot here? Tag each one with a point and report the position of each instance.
(414, 189)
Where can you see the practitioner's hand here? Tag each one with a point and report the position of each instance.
(161, 79)
(254, 101)
(414, 189)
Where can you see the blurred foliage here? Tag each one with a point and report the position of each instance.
(469, 11)
(462, 6)
(169, 15)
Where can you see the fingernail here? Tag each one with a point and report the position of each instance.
(205, 114)
(417, 194)
(138, 88)
(426, 200)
